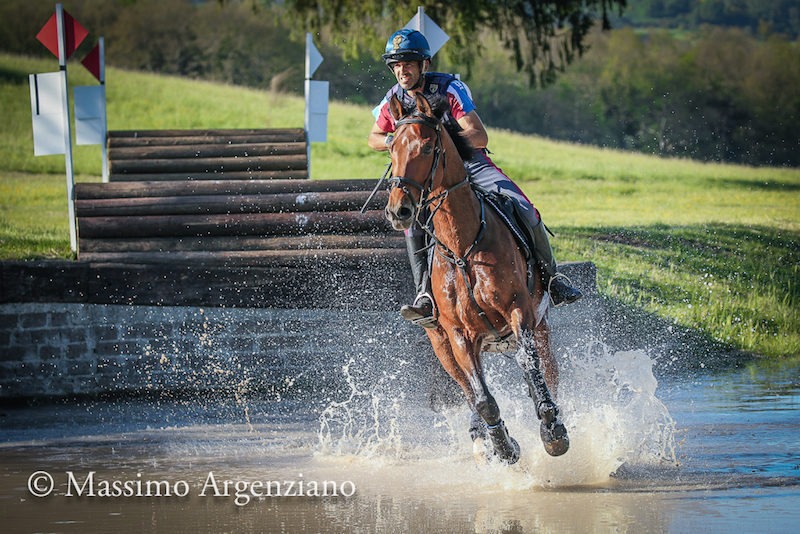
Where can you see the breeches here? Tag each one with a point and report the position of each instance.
(487, 175)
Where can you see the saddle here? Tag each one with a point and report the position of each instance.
(511, 213)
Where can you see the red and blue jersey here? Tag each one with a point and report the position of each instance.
(457, 92)
(481, 169)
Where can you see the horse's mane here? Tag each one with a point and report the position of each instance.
(439, 105)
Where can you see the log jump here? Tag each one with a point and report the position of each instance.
(225, 198)
(149, 155)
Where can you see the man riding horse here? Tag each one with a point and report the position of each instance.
(408, 56)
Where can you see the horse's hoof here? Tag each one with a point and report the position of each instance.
(505, 447)
(513, 457)
(479, 452)
(554, 438)
(477, 428)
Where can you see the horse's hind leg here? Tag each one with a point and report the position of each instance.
(552, 430)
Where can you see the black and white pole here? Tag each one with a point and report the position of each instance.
(426, 26)
(104, 145)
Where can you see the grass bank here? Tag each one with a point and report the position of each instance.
(713, 247)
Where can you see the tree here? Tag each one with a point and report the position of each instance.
(543, 36)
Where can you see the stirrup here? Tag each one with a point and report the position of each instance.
(568, 299)
(416, 316)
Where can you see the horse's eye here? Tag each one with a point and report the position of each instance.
(427, 150)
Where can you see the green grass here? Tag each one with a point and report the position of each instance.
(712, 247)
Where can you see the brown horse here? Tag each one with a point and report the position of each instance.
(479, 277)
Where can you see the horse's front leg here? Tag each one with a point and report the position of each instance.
(486, 421)
(552, 430)
(477, 396)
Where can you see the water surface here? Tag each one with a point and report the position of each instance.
(717, 449)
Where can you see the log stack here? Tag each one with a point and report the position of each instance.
(233, 222)
(224, 217)
(147, 155)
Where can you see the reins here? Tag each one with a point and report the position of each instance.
(425, 190)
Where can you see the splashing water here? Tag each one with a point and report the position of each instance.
(607, 400)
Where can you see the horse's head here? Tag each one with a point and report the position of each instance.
(416, 154)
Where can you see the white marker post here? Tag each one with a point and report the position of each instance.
(47, 114)
(62, 65)
(316, 92)
(90, 107)
(104, 145)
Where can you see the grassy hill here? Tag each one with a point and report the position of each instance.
(714, 247)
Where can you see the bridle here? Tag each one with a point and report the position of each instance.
(405, 184)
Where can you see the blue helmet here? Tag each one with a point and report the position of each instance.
(406, 45)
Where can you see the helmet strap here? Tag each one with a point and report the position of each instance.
(422, 70)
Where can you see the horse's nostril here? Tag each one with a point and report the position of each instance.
(404, 213)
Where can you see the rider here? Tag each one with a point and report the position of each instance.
(408, 57)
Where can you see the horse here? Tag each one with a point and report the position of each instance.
(479, 277)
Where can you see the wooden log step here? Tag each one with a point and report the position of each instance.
(123, 142)
(217, 204)
(222, 243)
(87, 190)
(265, 163)
(298, 174)
(249, 224)
(351, 258)
(299, 132)
(207, 151)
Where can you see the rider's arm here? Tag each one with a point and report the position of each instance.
(377, 139)
(474, 130)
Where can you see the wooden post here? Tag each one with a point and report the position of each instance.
(62, 64)
(104, 147)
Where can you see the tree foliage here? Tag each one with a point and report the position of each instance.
(758, 16)
(722, 96)
(542, 36)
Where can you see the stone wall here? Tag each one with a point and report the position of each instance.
(63, 349)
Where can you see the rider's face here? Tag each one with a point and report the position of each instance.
(408, 73)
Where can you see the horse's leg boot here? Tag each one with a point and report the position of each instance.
(421, 312)
(505, 447)
(552, 430)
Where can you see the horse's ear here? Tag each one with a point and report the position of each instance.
(423, 105)
(396, 108)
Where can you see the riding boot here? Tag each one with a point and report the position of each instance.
(560, 292)
(421, 312)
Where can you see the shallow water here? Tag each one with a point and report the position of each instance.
(721, 450)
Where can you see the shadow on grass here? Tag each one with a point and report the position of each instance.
(733, 282)
(768, 255)
(757, 184)
(14, 76)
